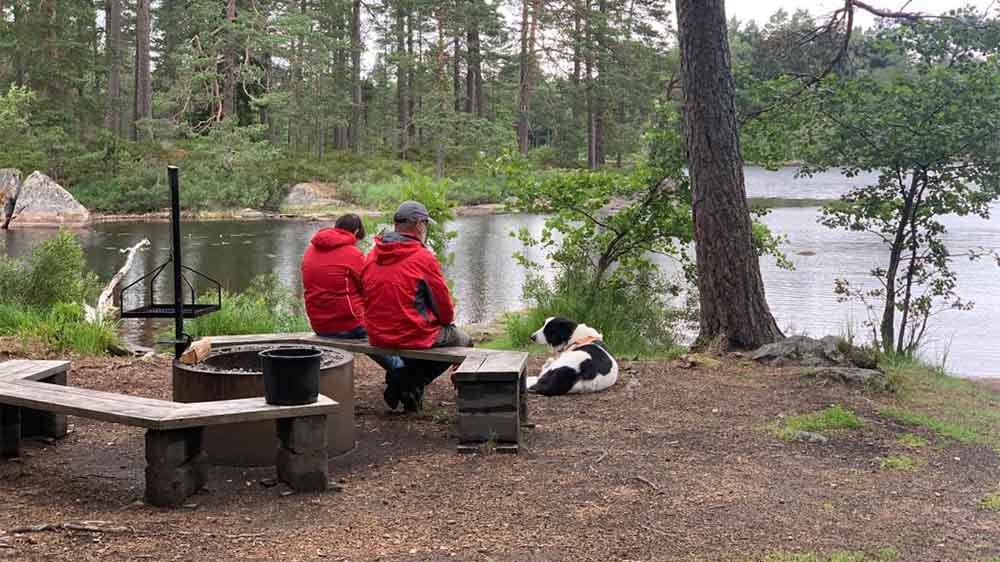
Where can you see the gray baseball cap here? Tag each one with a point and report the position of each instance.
(412, 211)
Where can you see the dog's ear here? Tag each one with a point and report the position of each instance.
(558, 331)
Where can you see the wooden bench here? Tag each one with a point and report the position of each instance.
(490, 385)
(175, 465)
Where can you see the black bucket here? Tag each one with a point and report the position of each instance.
(291, 375)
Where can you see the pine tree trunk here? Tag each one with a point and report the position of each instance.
(143, 95)
(456, 74)
(113, 34)
(475, 101)
(229, 63)
(731, 291)
(354, 139)
(402, 77)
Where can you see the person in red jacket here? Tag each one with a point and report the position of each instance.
(408, 304)
(331, 281)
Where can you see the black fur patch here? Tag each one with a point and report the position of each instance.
(560, 380)
(558, 331)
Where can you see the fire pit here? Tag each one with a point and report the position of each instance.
(235, 372)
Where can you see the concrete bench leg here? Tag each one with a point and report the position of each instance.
(10, 431)
(302, 461)
(44, 424)
(175, 465)
(489, 412)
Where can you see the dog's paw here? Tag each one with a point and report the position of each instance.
(530, 382)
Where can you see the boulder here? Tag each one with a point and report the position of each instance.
(851, 376)
(44, 202)
(312, 194)
(803, 351)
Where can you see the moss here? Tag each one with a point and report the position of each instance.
(991, 502)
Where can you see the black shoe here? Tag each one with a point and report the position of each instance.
(391, 397)
(413, 402)
(391, 393)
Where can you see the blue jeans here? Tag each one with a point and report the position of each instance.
(387, 362)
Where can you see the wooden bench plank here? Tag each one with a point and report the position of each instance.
(95, 404)
(24, 369)
(148, 412)
(195, 414)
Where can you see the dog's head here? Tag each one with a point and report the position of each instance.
(556, 332)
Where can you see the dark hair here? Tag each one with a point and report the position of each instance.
(351, 223)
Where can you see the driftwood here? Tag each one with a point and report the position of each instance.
(8, 209)
(105, 302)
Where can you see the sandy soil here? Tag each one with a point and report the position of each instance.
(670, 464)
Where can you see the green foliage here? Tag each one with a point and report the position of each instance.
(929, 132)
(54, 273)
(21, 147)
(435, 195)
(59, 329)
(267, 306)
(831, 418)
(41, 299)
(635, 319)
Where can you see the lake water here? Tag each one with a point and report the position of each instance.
(487, 281)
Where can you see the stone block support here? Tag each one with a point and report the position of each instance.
(10, 431)
(175, 465)
(45, 424)
(489, 412)
(302, 461)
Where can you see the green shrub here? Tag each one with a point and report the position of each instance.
(634, 319)
(265, 307)
(54, 273)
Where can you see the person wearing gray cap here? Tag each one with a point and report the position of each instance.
(408, 304)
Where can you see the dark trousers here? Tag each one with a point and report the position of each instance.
(408, 382)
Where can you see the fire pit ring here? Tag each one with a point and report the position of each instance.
(235, 372)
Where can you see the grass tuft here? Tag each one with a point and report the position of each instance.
(991, 503)
(902, 463)
(951, 407)
(831, 418)
(912, 441)
(883, 555)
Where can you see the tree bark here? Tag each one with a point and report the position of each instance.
(143, 95)
(402, 78)
(456, 74)
(229, 63)
(354, 139)
(731, 290)
(475, 95)
(529, 23)
(113, 38)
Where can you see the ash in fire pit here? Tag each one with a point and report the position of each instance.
(235, 372)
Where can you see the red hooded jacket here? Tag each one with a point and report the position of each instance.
(331, 279)
(406, 297)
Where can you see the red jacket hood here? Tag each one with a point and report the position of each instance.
(394, 247)
(330, 238)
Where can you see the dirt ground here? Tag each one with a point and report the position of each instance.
(669, 464)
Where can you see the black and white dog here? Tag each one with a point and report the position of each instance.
(584, 364)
